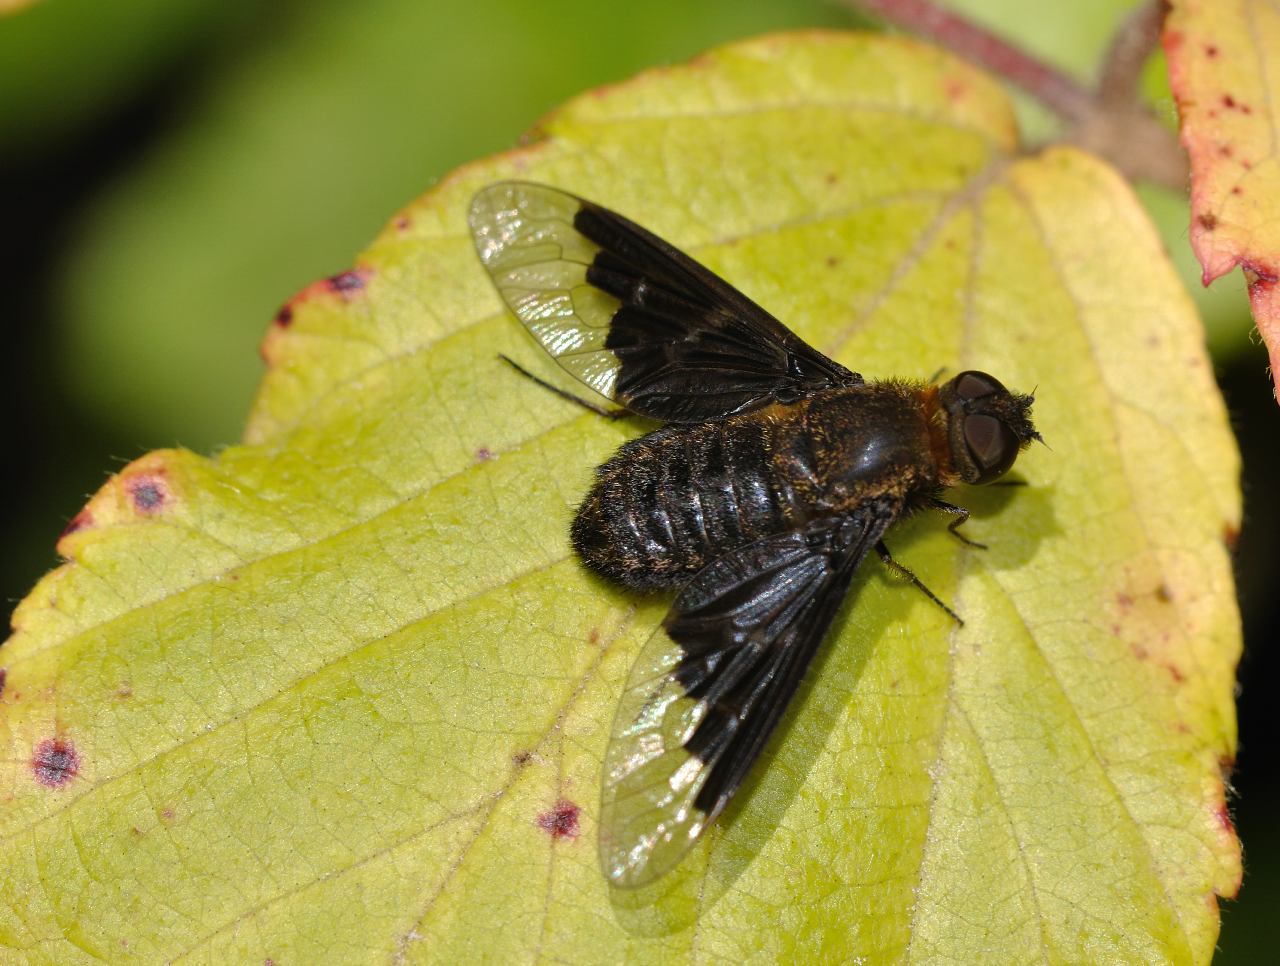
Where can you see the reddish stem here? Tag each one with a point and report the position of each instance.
(1061, 93)
(1112, 122)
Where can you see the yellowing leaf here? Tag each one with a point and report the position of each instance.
(341, 693)
(1224, 69)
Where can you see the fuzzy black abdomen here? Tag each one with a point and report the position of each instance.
(668, 503)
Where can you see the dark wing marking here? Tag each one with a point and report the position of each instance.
(710, 687)
(634, 318)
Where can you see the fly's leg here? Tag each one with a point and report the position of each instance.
(961, 515)
(906, 574)
(584, 403)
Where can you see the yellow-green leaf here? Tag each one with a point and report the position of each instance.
(1224, 70)
(341, 693)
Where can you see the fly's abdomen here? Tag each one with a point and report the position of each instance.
(667, 504)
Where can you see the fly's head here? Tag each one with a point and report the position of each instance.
(987, 425)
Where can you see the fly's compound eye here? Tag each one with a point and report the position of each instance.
(973, 384)
(992, 445)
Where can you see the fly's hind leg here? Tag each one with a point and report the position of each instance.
(906, 574)
(961, 515)
(584, 403)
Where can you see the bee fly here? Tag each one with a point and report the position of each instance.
(778, 472)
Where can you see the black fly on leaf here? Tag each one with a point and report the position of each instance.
(778, 472)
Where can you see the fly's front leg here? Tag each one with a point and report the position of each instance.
(584, 403)
(961, 515)
(906, 574)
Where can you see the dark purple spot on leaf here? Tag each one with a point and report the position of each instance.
(55, 762)
(345, 282)
(284, 318)
(3, 674)
(483, 454)
(148, 493)
(561, 822)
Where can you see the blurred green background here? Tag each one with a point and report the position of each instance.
(171, 171)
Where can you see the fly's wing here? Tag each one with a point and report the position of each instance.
(636, 320)
(710, 686)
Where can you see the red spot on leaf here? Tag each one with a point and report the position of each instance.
(831, 178)
(593, 636)
(1172, 39)
(1231, 537)
(1228, 101)
(55, 762)
(1236, 190)
(402, 222)
(1139, 651)
(1124, 600)
(1225, 150)
(1207, 221)
(81, 521)
(1211, 50)
(1224, 819)
(955, 88)
(561, 822)
(3, 674)
(483, 454)
(148, 492)
(346, 284)
(1176, 674)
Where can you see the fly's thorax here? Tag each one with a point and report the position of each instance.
(875, 440)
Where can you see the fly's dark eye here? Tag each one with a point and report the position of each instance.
(992, 445)
(974, 384)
